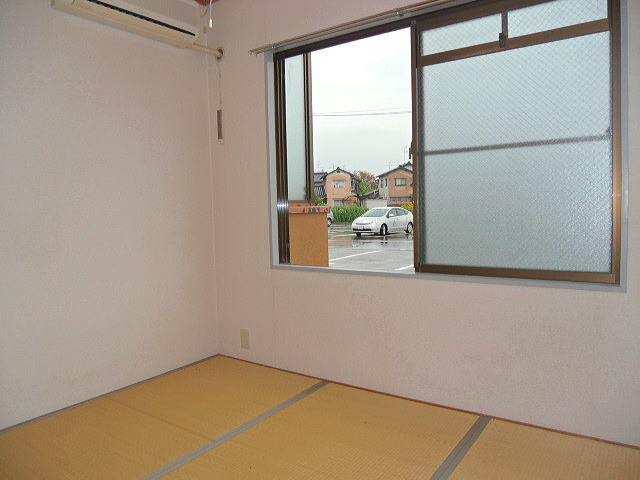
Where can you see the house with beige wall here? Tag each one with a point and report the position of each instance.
(341, 188)
(396, 185)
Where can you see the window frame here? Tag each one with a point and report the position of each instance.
(282, 187)
(438, 18)
(476, 10)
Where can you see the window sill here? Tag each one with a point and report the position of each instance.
(412, 275)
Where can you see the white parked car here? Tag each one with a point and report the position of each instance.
(383, 220)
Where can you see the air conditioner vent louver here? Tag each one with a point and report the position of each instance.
(141, 17)
(170, 21)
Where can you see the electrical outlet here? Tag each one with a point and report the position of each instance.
(244, 338)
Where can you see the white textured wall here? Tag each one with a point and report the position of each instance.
(562, 358)
(105, 210)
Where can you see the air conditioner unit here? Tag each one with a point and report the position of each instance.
(169, 21)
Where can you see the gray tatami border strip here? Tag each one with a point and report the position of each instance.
(229, 435)
(461, 449)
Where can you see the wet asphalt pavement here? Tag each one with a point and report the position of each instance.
(393, 253)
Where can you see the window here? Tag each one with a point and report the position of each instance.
(516, 138)
(339, 184)
(338, 202)
(296, 113)
(375, 212)
(527, 184)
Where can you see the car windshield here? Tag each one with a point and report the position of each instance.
(376, 212)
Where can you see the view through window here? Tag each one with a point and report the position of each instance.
(361, 99)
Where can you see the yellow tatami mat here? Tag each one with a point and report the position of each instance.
(510, 451)
(101, 439)
(338, 432)
(228, 419)
(131, 433)
(213, 397)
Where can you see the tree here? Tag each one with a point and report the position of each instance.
(367, 181)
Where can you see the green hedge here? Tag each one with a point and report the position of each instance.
(347, 213)
(408, 206)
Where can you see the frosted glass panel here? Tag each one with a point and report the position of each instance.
(560, 13)
(295, 128)
(517, 158)
(546, 207)
(459, 35)
(558, 89)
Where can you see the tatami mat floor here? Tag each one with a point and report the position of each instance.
(207, 421)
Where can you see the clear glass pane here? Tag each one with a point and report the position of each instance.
(295, 128)
(550, 15)
(517, 158)
(460, 35)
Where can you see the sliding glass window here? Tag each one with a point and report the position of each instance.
(518, 141)
(293, 146)
(516, 151)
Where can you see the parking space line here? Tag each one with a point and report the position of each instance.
(354, 255)
(404, 268)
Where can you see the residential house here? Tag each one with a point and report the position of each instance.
(372, 199)
(319, 188)
(337, 187)
(396, 185)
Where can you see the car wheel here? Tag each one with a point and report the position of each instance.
(384, 230)
(409, 228)
(329, 222)
(358, 234)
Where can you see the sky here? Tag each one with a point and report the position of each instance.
(362, 103)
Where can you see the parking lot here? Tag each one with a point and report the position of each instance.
(393, 253)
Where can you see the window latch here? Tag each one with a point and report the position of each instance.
(502, 39)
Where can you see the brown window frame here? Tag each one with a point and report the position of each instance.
(282, 189)
(419, 23)
(482, 9)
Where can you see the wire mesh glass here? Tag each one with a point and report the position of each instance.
(550, 15)
(517, 158)
(460, 35)
(295, 127)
